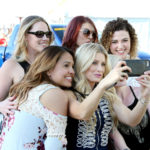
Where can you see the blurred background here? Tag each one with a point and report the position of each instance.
(12, 12)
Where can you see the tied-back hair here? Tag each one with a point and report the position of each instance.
(37, 74)
(21, 52)
(117, 25)
(85, 56)
(72, 31)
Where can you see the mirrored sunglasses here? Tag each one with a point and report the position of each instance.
(40, 34)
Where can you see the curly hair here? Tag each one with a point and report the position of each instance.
(117, 25)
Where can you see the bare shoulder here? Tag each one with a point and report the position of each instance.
(55, 94)
(11, 70)
(10, 61)
(55, 100)
(10, 64)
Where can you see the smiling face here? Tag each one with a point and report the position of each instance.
(96, 71)
(35, 44)
(84, 37)
(63, 73)
(120, 44)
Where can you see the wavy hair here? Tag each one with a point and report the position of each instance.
(21, 52)
(117, 25)
(72, 31)
(37, 73)
(85, 56)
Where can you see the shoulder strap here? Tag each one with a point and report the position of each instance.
(25, 65)
(133, 93)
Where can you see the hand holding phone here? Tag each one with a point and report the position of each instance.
(137, 66)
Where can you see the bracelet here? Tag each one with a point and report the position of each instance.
(145, 102)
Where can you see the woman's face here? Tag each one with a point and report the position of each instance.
(121, 44)
(34, 43)
(63, 73)
(96, 71)
(86, 34)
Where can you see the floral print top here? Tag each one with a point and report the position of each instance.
(33, 126)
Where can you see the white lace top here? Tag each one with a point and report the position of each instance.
(33, 126)
(56, 123)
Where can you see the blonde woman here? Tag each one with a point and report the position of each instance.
(91, 74)
(43, 106)
(34, 35)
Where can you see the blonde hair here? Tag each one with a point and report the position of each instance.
(21, 52)
(85, 56)
(37, 73)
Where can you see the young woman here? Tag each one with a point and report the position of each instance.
(43, 106)
(80, 30)
(119, 38)
(34, 35)
(91, 73)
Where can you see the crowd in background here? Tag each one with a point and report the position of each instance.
(5, 33)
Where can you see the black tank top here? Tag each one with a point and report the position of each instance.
(25, 65)
(137, 138)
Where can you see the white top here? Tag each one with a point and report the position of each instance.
(28, 128)
(55, 123)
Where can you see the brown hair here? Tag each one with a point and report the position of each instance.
(117, 25)
(37, 73)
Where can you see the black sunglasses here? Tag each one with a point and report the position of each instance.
(40, 34)
(87, 32)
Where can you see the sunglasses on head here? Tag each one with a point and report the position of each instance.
(87, 32)
(40, 34)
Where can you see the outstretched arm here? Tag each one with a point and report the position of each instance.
(133, 117)
(84, 110)
(148, 73)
